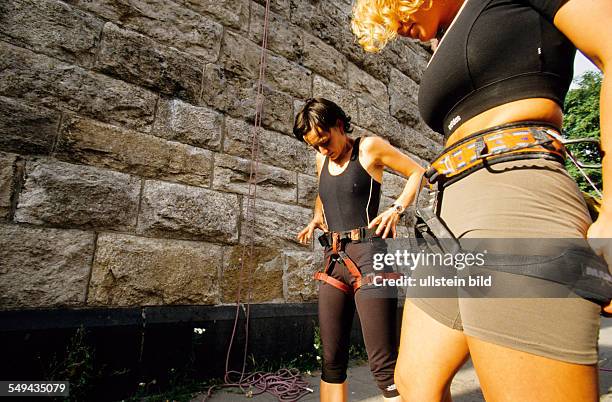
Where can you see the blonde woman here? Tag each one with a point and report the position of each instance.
(504, 67)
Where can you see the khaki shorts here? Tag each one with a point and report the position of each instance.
(521, 199)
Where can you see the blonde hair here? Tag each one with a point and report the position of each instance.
(375, 22)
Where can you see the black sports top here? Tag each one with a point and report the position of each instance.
(497, 51)
(350, 199)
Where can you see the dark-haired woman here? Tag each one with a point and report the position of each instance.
(350, 177)
(497, 82)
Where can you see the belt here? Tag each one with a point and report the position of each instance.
(496, 145)
(355, 235)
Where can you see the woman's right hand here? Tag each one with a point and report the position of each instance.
(305, 236)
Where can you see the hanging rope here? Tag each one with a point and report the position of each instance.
(286, 384)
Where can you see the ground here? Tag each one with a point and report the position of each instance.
(465, 387)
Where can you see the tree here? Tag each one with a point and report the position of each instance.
(581, 120)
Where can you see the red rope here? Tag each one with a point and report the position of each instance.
(286, 384)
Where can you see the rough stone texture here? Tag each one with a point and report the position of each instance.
(51, 27)
(177, 211)
(393, 185)
(367, 87)
(136, 58)
(136, 271)
(193, 125)
(43, 267)
(27, 128)
(261, 274)
(281, 7)
(403, 54)
(334, 92)
(283, 38)
(66, 195)
(299, 267)
(308, 189)
(165, 21)
(403, 93)
(324, 60)
(92, 143)
(56, 84)
(274, 149)
(7, 183)
(401, 136)
(241, 57)
(231, 13)
(275, 223)
(232, 175)
(229, 92)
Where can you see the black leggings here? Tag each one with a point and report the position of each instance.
(377, 309)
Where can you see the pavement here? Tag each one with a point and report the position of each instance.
(465, 386)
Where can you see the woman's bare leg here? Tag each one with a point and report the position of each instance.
(511, 375)
(334, 392)
(430, 355)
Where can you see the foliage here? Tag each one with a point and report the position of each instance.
(581, 120)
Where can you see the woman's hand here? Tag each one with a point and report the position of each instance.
(600, 240)
(386, 223)
(305, 236)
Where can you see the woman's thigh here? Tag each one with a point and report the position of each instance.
(430, 354)
(511, 375)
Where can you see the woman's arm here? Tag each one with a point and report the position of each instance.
(318, 219)
(385, 155)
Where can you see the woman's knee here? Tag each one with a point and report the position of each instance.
(413, 389)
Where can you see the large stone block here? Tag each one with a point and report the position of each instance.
(66, 195)
(403, 93)
(138, 59)
(283, 38)
(231, 13)
(193, 125)
(276, 225)
(137, 271)
(367, 87)
(58, 85)
(165, 21)
(235, 94)
(178, 211)
(232, 174)
(241, 57)
(324, 60)
(334, 92)
(7, 183)
(42, 267)
(402, 55)
(299, 267)
(281, 7)
(27, 129)
(308, 189)
(258, 272)
(51, 27)
(89, 142)
(274, 149)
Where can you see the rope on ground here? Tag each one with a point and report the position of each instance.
(286, 384)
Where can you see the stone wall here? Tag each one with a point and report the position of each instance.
(125, 142)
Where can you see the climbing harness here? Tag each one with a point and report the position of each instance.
(337, 242)
(578, 268)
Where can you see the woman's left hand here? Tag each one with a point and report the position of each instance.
(599, 236)
(386, 223)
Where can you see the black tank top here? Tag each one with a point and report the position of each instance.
(351, 198)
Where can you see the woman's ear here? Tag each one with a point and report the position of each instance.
(340, 125)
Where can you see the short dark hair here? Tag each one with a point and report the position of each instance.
(321, 113)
